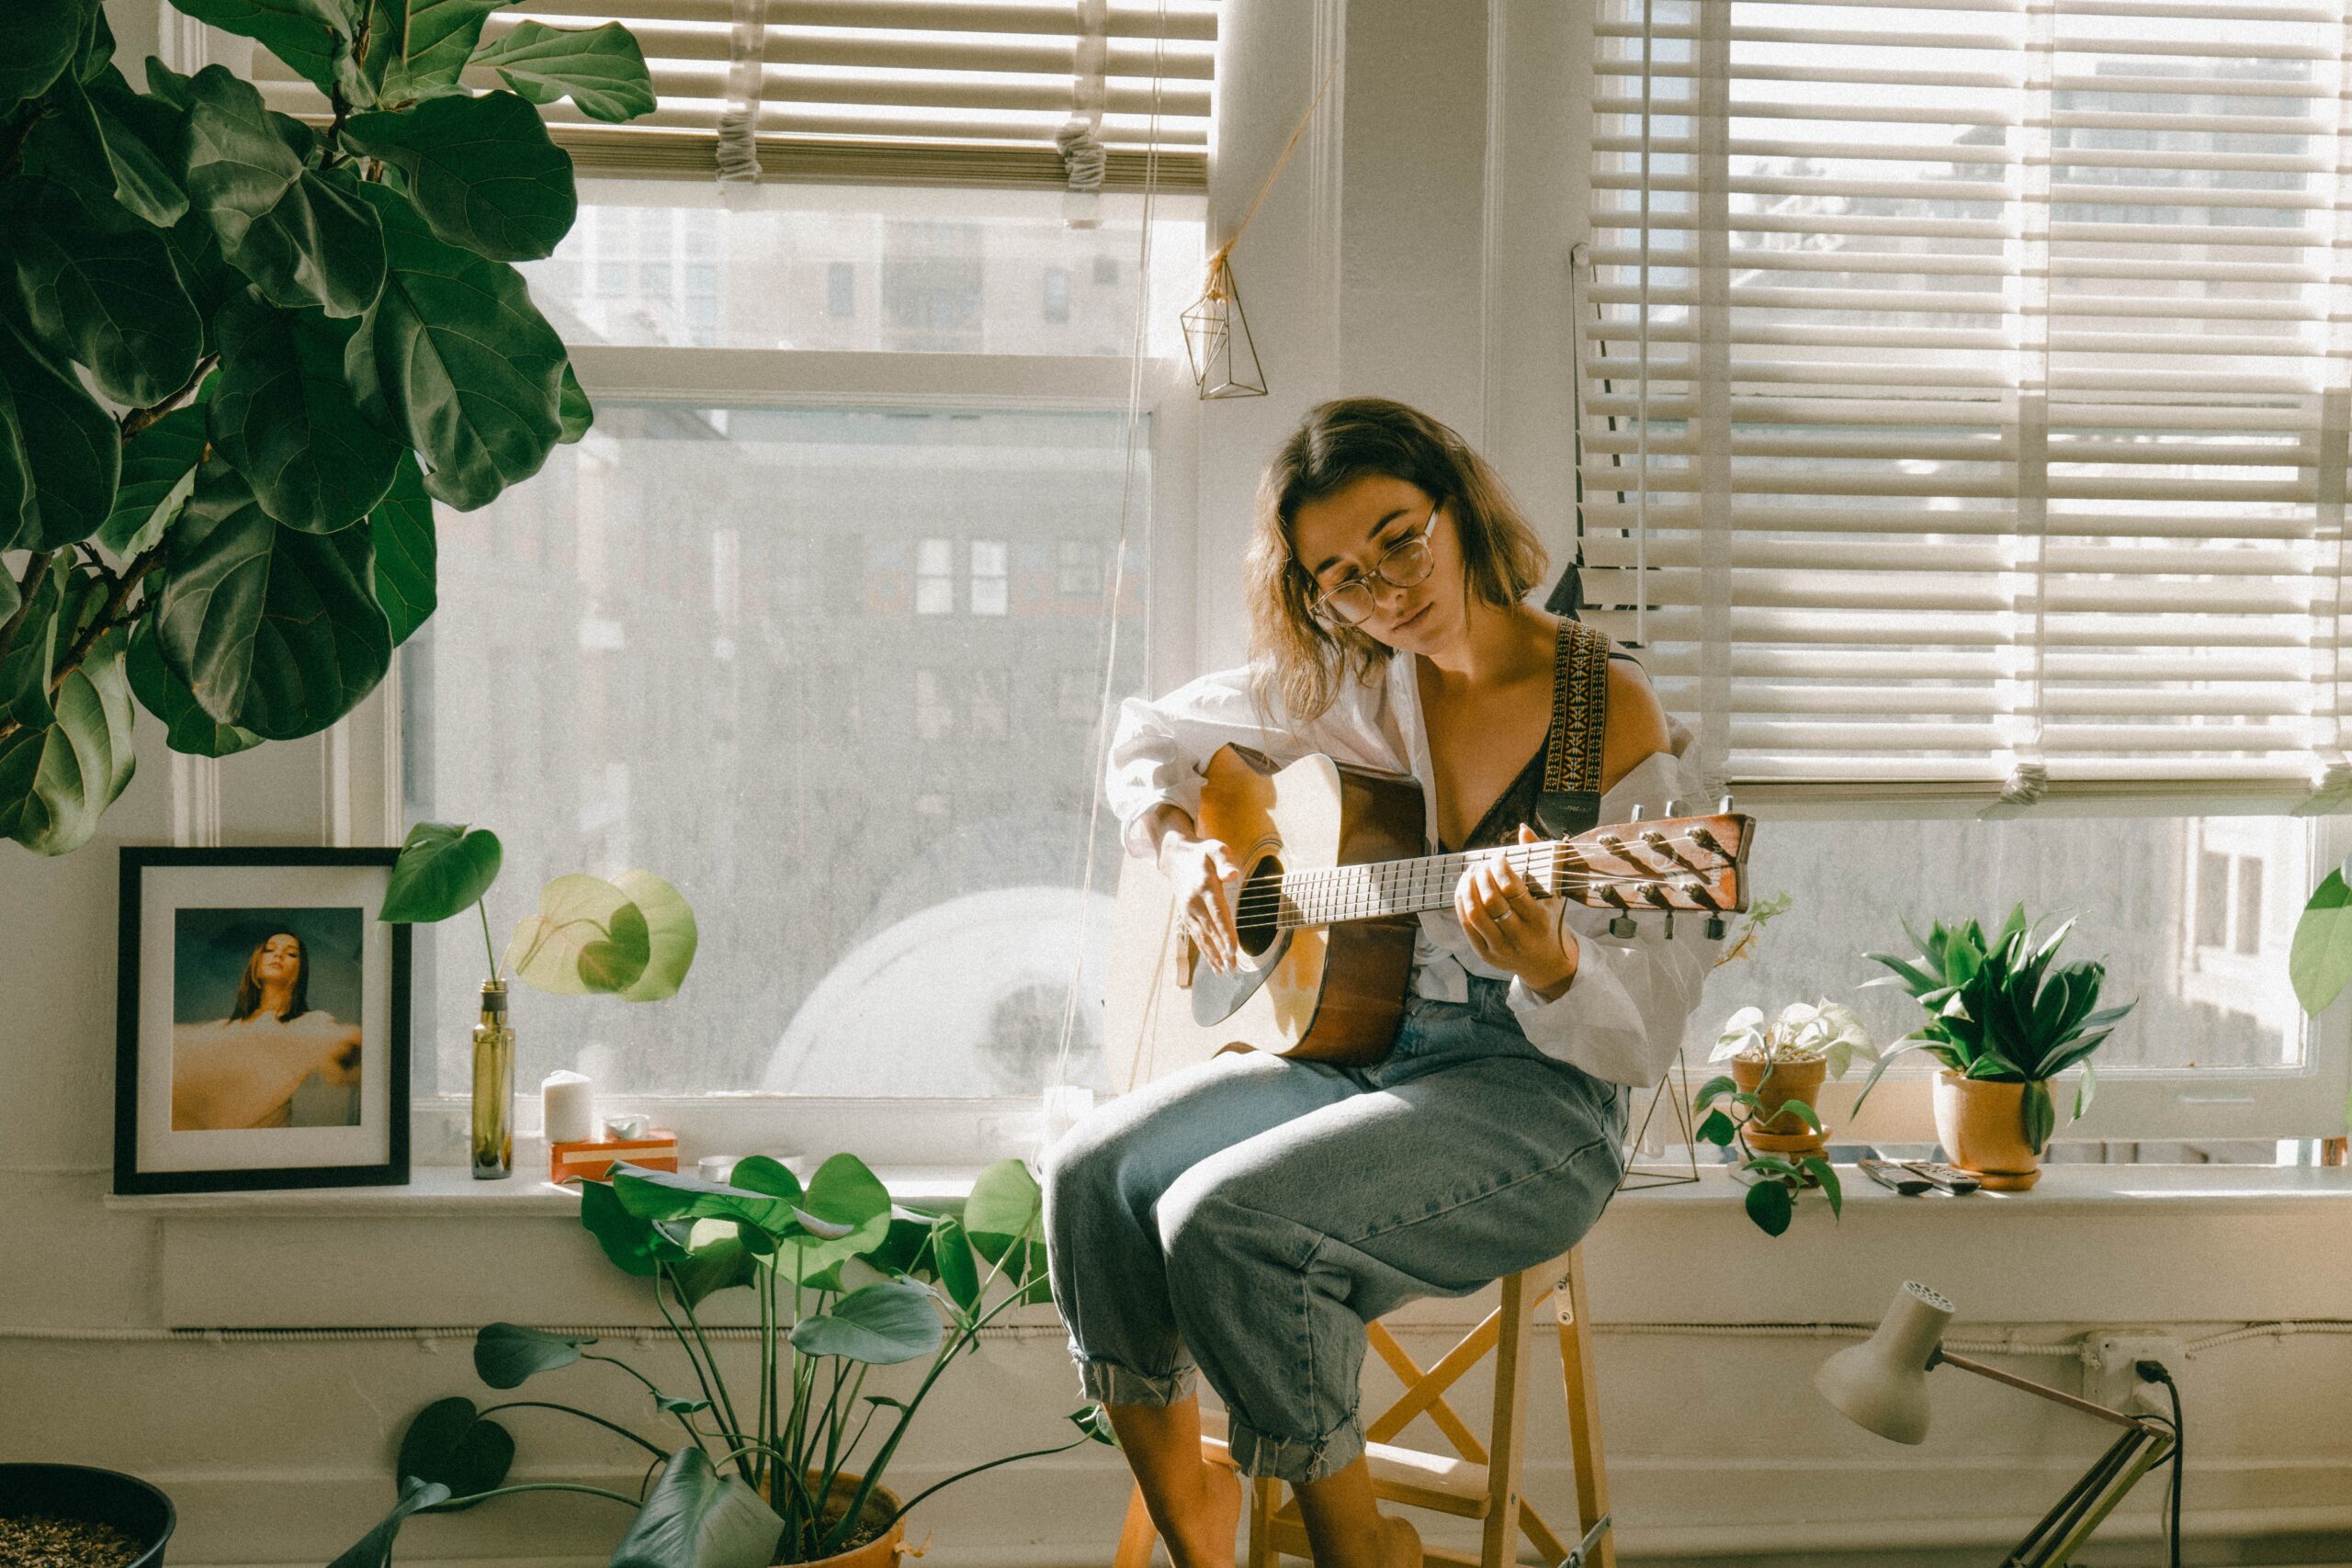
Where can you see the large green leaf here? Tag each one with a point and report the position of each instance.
(507, 1354)
(272, 628)
(60, 452)
(2320, 959)
(671, 931)
(602, 69)
(56, 782)
(696, 1518)
(585, 939)
(443, 869)
(716, 1259)
(441, 36)
(852, 1211)
(302, 237)
(879, 1324)
(573, 408)
(1771, 1206)
(37, 39)
(951, 1251)
(139, 141)
(466, 365)
(2038, 1115)
(30, 657)
(451, 1442)
(401, 530)
(203, 271)
(374, 1549)
(629, 1241)
(483, 171)
(159, 467)
(1006, 1205)
(303, 33)
(187, 726)
(665, 1195)
(284, 416)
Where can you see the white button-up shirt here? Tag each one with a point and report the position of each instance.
(1621, 1018)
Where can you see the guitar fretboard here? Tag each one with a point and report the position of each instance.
(1397, 886)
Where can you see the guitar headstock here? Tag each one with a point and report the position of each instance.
(1692, 864)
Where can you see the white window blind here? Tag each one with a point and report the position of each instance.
(1990, 439)
(915, 90)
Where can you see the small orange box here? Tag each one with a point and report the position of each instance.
(593, 1158)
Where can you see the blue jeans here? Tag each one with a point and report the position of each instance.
(1250, 1214)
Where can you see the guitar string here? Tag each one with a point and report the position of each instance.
(1374, 895)
(1522, 858)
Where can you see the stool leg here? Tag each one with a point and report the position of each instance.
(1499, 1545)
(1264, 1492)
(1136, 1536)
(1584, 1408)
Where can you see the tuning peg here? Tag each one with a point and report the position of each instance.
(1636, 813)
(1623, 926)
(1670, 925)
(1722, 806)
(1677, 806)
(1716, 928)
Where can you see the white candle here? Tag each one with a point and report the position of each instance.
(568, 1108)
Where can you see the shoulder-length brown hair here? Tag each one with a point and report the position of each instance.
(297, 1000)
(1299, 659)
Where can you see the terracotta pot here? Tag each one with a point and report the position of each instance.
(1774, 1131)
(1982, 1127)
(884, 1550)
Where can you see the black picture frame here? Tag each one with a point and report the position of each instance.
(381, 1135)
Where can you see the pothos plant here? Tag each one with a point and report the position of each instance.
(632, 936)
(243, 354)
(1826, 1032)
(780, 1471)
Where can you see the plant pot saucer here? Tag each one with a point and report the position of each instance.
(2002, 1180)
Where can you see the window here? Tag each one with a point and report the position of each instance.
(1106, 271)
(1078, 568)
(936, 577)
(1057, 294)
(1963, 440)
(988, 577)
(783, 795)
(780, 266)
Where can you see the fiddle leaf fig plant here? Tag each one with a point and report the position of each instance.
(242, 353)
(633, 937)
(774, 1467)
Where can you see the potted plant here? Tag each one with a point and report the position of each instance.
(241, 354)
(2003, 1023)
(2319, 961)
(74, 1514)
(1766, 1103)
(780, 1471)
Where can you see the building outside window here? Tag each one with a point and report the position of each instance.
(1056, 295)
(936, 577)
(990, 578)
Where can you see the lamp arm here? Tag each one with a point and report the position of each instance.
(2115, 1417)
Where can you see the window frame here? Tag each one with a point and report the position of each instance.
(364, 751)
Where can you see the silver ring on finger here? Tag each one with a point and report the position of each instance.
(1504, 913)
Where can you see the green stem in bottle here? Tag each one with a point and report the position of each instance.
(481, 908)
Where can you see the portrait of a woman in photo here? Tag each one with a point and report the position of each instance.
(276, 1061)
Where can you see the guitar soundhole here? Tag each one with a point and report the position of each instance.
(1258, 906)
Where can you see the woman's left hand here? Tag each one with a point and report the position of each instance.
(1512, 929)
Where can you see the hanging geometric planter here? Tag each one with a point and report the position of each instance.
(1217, 339)
(1674, 1093)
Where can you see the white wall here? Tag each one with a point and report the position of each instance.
(1396, 257)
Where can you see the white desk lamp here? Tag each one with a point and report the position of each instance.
(1882, 1384)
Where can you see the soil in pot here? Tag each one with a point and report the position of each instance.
(1982, 1127)
(1775, 1130)
(72, 1515)
(871, 1544)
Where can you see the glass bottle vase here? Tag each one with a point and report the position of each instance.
(493, 1117)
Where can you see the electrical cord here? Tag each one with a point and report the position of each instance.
(2157, 1372)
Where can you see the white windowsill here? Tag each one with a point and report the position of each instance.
(452, 1189)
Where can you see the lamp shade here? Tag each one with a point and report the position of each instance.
(1882, 1384)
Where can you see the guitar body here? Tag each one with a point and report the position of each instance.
(1328, 993)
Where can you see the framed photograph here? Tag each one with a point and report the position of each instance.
(261, 1027)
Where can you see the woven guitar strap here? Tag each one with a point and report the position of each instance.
(1570, 803)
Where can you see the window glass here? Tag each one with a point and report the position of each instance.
(960, 271)
(2156, 898)
(694, 644)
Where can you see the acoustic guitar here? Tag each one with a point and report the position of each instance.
(1332, 883)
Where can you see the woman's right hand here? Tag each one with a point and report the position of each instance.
(1205, 881)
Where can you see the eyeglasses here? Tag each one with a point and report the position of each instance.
(1405, 566)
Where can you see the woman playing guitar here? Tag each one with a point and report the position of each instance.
(1250, 1214)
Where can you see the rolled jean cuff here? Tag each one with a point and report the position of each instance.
(1108, 1383)
(1295, 1459)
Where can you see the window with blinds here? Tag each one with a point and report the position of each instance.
(912, 90)
(1966, 390)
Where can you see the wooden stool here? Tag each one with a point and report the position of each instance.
(1480, 1480)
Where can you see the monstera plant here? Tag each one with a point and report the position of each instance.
(242, 354)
